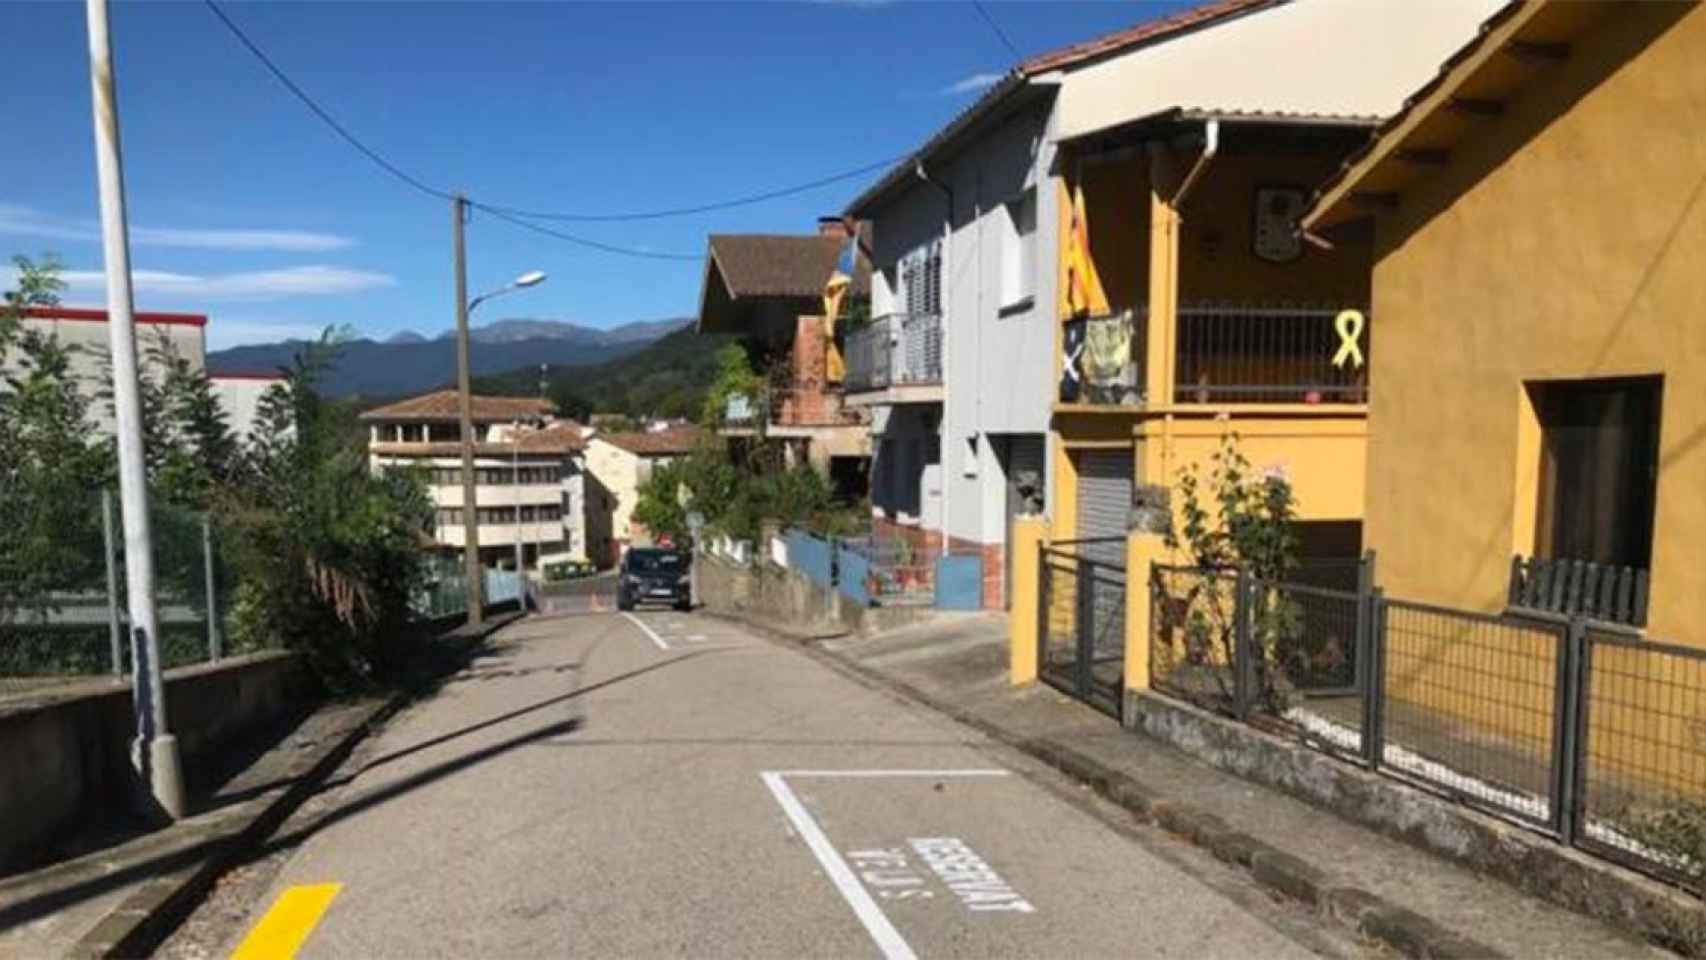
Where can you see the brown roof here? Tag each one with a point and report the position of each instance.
(780, 264)
(442, 405)
(1120, 41)
(656, 443)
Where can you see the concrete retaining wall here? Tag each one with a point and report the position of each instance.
(789, 601)
(67, 754)
(1516, 855)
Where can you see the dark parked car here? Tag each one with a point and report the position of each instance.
(654, 576)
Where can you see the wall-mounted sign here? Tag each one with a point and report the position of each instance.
(1275, 237)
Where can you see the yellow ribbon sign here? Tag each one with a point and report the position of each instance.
(1349, 324)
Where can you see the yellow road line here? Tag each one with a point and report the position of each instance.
(288, 923)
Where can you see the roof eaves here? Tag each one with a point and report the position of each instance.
(1417, 107)
(1037, 70)
(993, 97)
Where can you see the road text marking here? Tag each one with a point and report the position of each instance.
(965, 873)
(888, 939)
(287, 924)
(648, 631)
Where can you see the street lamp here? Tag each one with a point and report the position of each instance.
(470, 502)
(531, 278)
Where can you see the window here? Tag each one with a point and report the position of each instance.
(1018, 251)
(1599, 446)
(921, 280)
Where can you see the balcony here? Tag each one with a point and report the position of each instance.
(896, 353)
(1224, 354)
(782, 408)
(1251, 354)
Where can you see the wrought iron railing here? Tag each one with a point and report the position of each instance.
(1238, 353)
(1575, 587)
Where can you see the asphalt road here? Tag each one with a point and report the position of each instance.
(669, 785)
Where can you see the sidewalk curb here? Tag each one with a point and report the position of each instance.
(1371, 916)
(145, 918)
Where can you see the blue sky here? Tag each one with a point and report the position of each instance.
(245, 207)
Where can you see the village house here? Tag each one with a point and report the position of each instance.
(1091, 275)
(1537, 285)
(768, 289)
(617, 464)
(529, 473)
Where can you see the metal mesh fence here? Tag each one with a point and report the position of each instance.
(1081, 635)
(1643, 759)
(1577, 729)
(72, 622)
(1470, 704)
(1194, 634)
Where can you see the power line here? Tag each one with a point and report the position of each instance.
(318, 111)
(508, 217)
(514, 215)
(708, 207)
(997, 28)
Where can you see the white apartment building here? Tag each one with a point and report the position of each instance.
(529, 472)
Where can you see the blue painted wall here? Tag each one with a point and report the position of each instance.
(959, 582)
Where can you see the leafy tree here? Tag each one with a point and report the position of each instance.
(329, 551)
(1238, 519)
(50, 532)
(735, 378)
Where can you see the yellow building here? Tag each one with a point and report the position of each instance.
(1538, 230)
(1537, 418)
(1188, 306)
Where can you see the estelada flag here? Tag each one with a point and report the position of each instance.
(835, 291)
(1084, 292)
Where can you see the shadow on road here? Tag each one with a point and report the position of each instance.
(83, 886)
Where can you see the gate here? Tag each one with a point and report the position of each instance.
(1081, 622)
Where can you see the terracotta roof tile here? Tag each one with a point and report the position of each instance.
(1156, 29)
(656, 443)
(442, 405)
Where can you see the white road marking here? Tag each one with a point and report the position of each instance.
(892, 773)
(648, 631)
(888, 939)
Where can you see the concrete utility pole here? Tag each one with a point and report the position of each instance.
(155, 752)
(465, 396)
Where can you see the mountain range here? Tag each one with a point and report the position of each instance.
(407, 362)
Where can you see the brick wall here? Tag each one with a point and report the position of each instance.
(928, 544)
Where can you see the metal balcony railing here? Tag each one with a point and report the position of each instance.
(870, 352)
(897, 349)
(1263, 354)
